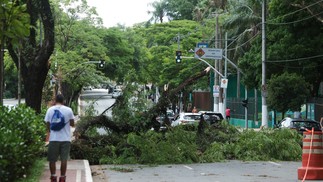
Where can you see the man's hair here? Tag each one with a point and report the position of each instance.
(59, 99)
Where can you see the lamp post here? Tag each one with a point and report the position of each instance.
(216, 80)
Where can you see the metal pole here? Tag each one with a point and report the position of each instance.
(256, 105)
(238, 83)
(264, 115)
(225, 73)
(246, 108)
(216, 99)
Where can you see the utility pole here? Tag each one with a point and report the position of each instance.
(216, 81)
(264, 115)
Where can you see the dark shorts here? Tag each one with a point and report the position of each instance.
(58, 149)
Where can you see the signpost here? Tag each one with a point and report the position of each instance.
(208, 53)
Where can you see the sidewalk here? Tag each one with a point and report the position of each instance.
(77, 171)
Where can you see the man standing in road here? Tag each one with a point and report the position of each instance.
(228, 114)
(59, 140)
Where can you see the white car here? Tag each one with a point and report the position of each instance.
(186, 118)
(9, 106)
(116, 93)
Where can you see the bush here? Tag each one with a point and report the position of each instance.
(22, 135)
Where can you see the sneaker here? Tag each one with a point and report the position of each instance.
(53, 179)
(62, 179)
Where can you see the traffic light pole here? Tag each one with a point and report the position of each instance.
(246, 108)
(184, 57)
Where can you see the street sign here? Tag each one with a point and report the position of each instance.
(216, 90)
(202, 45)
(208, 53)
(224, 83)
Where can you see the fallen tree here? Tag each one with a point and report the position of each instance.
(160, 108)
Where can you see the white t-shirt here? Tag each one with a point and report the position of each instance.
(65, 133)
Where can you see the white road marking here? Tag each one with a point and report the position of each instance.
(274, 163)
(188, 167)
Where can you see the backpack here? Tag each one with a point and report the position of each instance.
(58, 121)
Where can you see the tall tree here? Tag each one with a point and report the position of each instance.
(295, 42)
(79, 35)
(287, 92)
(14, 26)
(35, 54)
(181, 9)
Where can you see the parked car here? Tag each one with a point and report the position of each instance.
(211, 117)
(299, 124)
(186, 118)
(116, 93)
(9, 106)
(170, 115)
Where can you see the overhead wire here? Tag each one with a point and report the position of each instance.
(296, 59)
(298, 10)
(296, 67)
(244, 42)
(296, 21)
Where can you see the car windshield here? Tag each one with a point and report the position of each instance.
(192, 117)
(299, 124)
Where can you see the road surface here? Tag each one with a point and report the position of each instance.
(229, 171)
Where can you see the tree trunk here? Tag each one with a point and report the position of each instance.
(35, 57)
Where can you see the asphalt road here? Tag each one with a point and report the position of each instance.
(230, 171)
(100, 99)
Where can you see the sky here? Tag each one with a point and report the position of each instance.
(124, 12)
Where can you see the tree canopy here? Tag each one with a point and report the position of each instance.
(145, 53)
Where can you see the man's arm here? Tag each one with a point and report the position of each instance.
(72, 123)
(47, 126)
(321, 123)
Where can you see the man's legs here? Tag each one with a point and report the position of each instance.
(63, 168)
(65, 151)
(53, 152)
(52, 168)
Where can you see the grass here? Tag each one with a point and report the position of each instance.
(35, 171)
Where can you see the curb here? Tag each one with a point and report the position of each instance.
(88, 174)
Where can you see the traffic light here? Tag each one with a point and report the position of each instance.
(101, 64)
(178, 56)
(245, 103)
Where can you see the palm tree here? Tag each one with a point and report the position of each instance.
(159, 12)
(243, 24)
